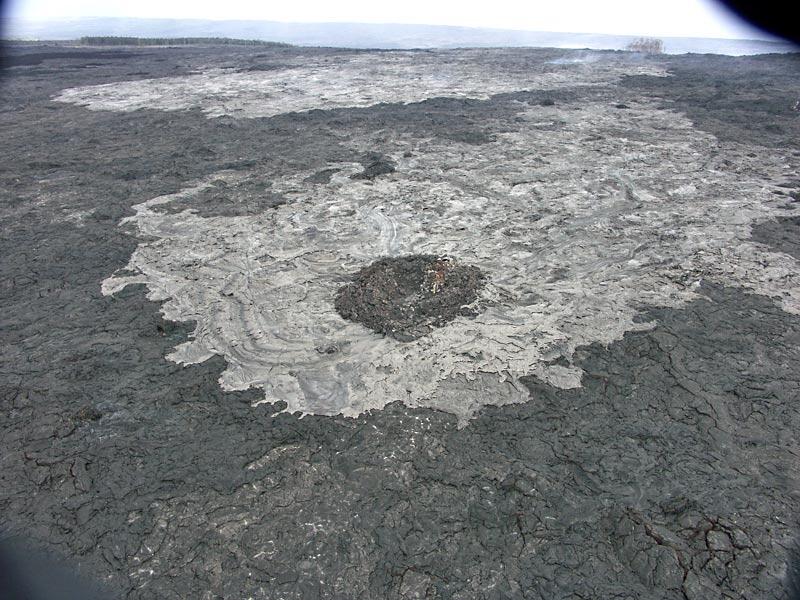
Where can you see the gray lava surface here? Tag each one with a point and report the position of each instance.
(620, 422)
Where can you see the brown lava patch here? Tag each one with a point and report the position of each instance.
(407, 297)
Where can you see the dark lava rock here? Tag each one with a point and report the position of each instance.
(257, 68)
(323, 176)
(744, 99)
(475, 138)
(222, 199)
(793, 571)
(88, 413)
(782, 234)
(407, 297)
(622, 488)
(36, 58)
(375, 164)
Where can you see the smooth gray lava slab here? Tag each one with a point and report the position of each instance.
(577, 217)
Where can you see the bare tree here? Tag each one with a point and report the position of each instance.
(647, 45)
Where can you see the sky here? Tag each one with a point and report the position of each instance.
(662, 18)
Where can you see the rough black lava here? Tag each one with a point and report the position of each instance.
(670, 474)
(407, 297)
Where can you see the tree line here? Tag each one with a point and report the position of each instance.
(113, 40)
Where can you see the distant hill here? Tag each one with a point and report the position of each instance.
(365, 35)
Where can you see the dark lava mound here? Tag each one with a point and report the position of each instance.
(375, 164)
(407, 297)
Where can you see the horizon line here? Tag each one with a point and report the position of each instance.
(768, 37)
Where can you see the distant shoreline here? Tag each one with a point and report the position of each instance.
(366, 36)
(210, 43)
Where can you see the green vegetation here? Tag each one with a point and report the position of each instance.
(110, 40)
